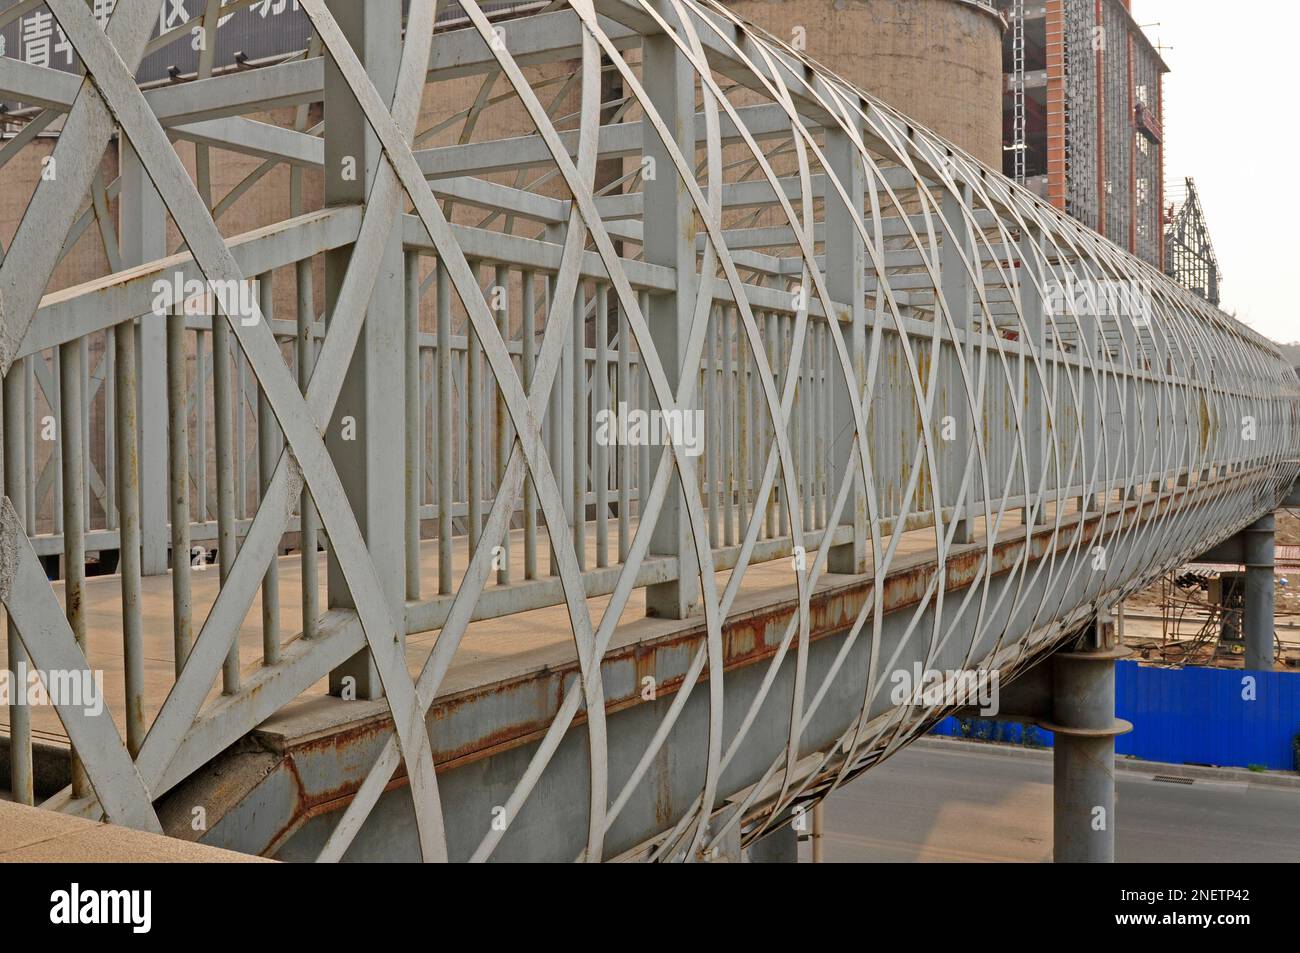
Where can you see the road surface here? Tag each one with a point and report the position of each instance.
(955, 802)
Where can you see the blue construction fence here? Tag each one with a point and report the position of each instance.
(1211, 716)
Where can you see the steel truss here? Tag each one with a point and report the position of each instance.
(974, 366)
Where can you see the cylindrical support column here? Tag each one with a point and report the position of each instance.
(819, 832)
(1084, 722)
(1257, 549)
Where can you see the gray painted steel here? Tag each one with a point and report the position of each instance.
(883, 336)
(1257, 545)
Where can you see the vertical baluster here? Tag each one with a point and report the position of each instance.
(790, 494)
(267, 453)
(55, 462)
(600, 403)
(578, 441)
(462, 443)
(200, 424)
(178, 471)
(241, 434)
(551, 424)
(564, 461)
(771, 425)
(643, 451)
(709, 395)
(429, 450)
(21, 783)
(414, 407)
(222, 413)
(823, 424)
(554, 416)
(110, 429)
(744, 436)
(84, 345)
(306, 361)
(501, 446)
(528, 361)
(728, 431)
(624, 451)
(445, 441)
(474, 417)
(805, 432)
(74, 540)
(29, 441)
(128, 506)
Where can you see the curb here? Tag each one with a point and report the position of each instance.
(1279, 779)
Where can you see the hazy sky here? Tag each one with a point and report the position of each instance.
(1230, 123)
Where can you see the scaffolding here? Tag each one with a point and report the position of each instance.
(1019, 140)
(1118, 111)
(1190, 258)
(1082, 200)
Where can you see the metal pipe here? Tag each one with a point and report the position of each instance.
(446, 459)
(728, 427)
(819, 832)
(600, 404)
(624, 386)
(200, 425)
(528, 365)
(1258, 541)
(268, 452)
(577, 450)
(411, 351)
(474, 423)
(128, 504)
(178, 459)
(222, 425)
(1085, 728)
(21, 776)
(74, 515)
(501, 428)
(306, 361)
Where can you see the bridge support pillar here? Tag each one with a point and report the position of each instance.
(1257, 550)
(1084, 722)
(670, 230)
(846, 269)
(370, 417)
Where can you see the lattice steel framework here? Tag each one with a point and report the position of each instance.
(1082, 143)
(984, 355)
(1191, 259)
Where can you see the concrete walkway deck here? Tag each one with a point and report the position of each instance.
(31, 835)
(492, 649)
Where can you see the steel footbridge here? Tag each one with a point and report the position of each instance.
(591, 412)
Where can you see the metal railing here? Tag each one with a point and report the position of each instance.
(876, 335)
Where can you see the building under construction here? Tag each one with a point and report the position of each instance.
(1189, 253)
(1082, 115)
